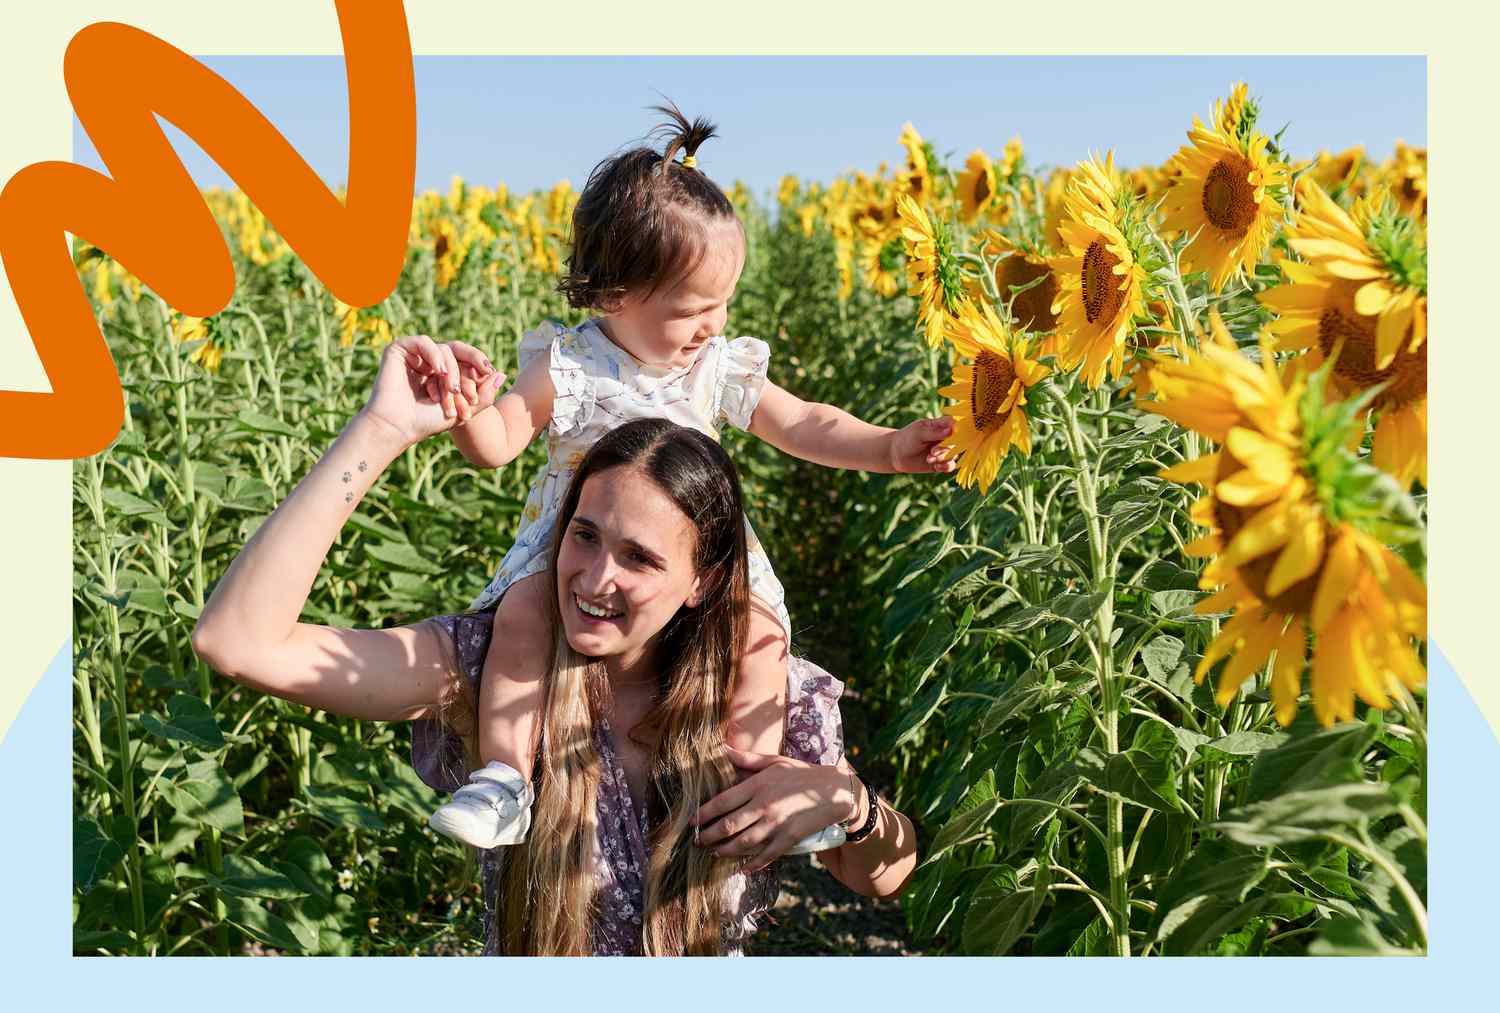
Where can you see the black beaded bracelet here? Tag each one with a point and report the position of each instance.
(868, 827)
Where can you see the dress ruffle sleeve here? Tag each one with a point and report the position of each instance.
(534, 343)
(814, 727)
(742, 379)
(569, 354)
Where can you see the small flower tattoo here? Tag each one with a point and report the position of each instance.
(363, 466)
(348, 497)
(347, 477)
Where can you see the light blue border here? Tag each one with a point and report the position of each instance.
(35, 931)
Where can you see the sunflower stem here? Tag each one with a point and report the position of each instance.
(1109, 688)
(1367, 850)
(1186, 325)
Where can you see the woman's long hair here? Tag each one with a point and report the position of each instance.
(546, 886)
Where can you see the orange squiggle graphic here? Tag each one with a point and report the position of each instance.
(149, 216)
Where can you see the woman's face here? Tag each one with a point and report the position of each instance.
(625, 566)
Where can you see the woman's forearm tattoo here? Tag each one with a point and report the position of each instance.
(348, 477)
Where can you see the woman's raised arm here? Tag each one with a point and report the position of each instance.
(249, 629)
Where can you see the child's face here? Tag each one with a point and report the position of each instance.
(669, 326)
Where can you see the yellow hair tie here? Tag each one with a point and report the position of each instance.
(689, 162)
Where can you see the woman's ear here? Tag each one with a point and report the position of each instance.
(703, 585)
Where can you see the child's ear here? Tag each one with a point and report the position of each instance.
(611, 303)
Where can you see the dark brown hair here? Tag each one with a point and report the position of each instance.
(546, 883)
(643, 218)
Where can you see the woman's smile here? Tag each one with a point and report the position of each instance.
(596, 611)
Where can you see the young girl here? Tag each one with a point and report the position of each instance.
(657, 253)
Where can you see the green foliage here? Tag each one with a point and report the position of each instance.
(1027, 656)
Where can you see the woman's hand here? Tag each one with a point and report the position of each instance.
(424, 388)
(781, 802)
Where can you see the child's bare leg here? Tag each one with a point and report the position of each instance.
(495, 807)
(510, 693)
(757, 709)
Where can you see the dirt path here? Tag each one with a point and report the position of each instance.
(816, 915)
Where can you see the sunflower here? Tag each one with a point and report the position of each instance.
(1290, 514)
(1331, 171)
(843, 248)
(206, 352)
(880, 262)
(353, 324)
(807, 217)
(1360, 297)
(1100, 278)
(1012, 161)
(1229, 191)
(1053, 207)
(932, 275)
(1028, 271)
(917, 179)
(103, 294)
(976, 186)
(561, 200)
(448, 250)
(786, 193)
(1235, 113)
(1407, 179)
(990, 389)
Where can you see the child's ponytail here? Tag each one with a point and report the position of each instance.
(682, 136)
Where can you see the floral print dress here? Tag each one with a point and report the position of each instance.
(813, 732)
(598, 386)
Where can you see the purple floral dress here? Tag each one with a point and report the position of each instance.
(813, 733)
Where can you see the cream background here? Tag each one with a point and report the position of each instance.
(35, 513)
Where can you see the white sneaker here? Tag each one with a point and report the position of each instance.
(831, 836)
(493, 809)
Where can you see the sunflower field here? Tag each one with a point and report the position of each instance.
(1147, 671)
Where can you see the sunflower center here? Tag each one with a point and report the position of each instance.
(1353, 335)
(1032, 308)
(993, 377)
(1295, 600)
(982, 188)
(1228, 197)
(1101, 288)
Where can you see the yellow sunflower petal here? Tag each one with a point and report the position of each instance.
(1200, 470)
(1340, 570)
(1286, 676)
(1259, 638)
(1303, 553)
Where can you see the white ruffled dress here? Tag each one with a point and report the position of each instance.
(598, 386)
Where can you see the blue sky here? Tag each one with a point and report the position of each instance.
(530, 121)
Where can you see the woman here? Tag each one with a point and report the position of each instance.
(651, 526)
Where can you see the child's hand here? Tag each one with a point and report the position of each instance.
(916, 448)
(479, 381)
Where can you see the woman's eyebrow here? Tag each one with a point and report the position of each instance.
(644, 550)
(584, 522)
